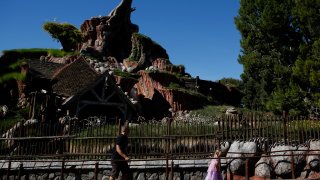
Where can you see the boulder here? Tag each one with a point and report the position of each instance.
(237, 153)
(313, 157)
(281, 159)
(263, 167)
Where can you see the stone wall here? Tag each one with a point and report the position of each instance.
(104, 175)
(86, 170)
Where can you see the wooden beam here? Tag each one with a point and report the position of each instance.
(109, 97)
(82, 106)
(104, 103)
(95, 94)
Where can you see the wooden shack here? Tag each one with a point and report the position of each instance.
(77, 88)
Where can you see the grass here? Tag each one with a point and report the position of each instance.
(177, 87)
(61, 53)
(53, 52)
(145, 135)
(118, 72)
(23, 51)
(210, 111)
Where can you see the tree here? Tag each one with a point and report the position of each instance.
(68, 35)
(270, 46)
(280, 54)
(306, 70)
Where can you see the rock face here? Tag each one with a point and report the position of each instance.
(115, 36)
(161, 85)
(145, 51)
(109, 35)
(165, 65)
(160, 91)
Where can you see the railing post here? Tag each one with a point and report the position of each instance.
(230, 174)
(167, 167)
(20, 170)
(9, 167)
(96, 171)
(119, 127)
(285, 128)
(62, 169)
(167, 145)
(171, 178)
(223, 127)
(292, 166)
(247, 169)
(217, 134)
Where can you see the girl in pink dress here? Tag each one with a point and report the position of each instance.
(214, 167)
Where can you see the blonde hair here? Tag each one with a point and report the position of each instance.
(217, 153)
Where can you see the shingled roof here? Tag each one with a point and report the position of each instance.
(73, 78)
(43, 69)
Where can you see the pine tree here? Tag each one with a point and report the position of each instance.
(268, 46)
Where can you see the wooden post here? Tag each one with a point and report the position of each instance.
(34, 106)
(31, 105)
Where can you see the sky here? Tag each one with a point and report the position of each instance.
(199, 34)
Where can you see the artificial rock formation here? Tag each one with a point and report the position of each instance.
(141, 67)
(109, 35)
(163, 90)
(145, 51)
(115, 36)
(159, 85)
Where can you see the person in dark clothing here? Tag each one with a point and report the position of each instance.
(120, 159)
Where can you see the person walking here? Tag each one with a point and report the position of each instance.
(120, 159)
(214, 167)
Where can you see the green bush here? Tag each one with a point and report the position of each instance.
(68, 35)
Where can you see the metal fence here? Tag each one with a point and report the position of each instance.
(94, 138)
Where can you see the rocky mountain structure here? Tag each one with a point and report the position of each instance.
(109, 35)
(139, 66)
(161, 85)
